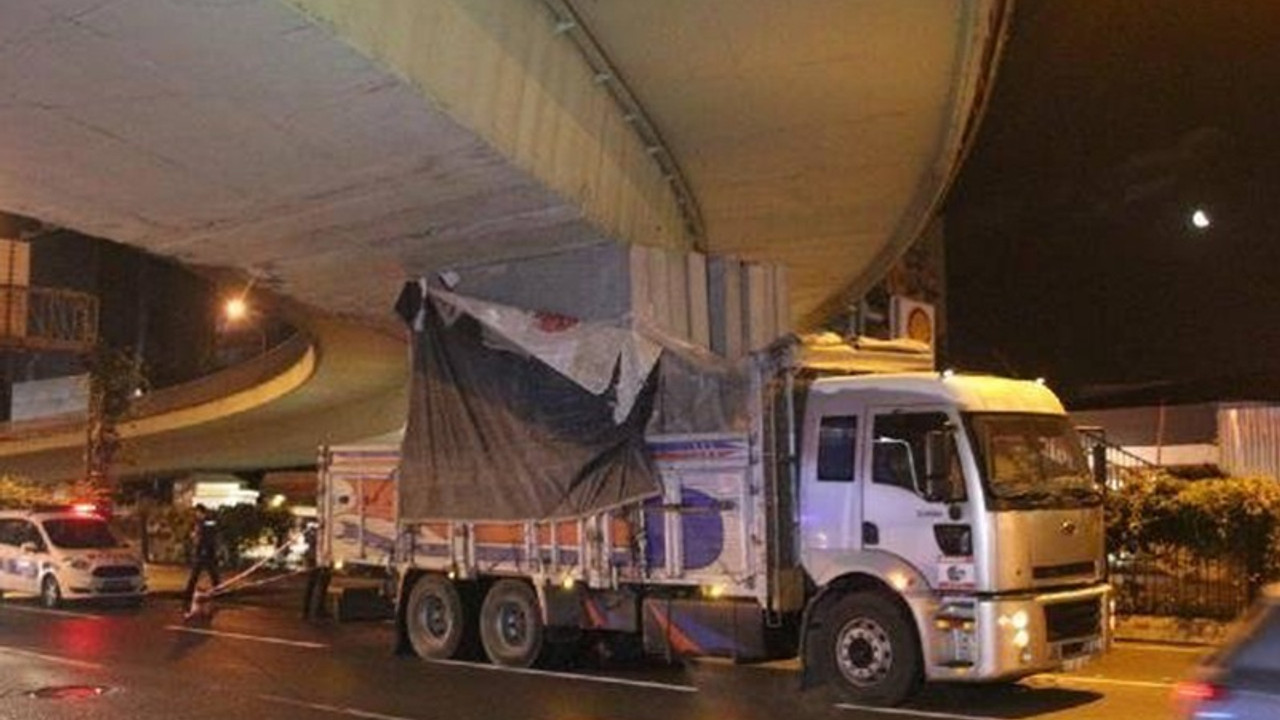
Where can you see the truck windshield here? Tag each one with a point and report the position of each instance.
(80, 533)
(1032, 461)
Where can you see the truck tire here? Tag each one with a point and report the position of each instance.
(435, 618)
(511, 628)
(867, 650)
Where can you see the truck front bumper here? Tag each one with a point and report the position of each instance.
(1006, 637)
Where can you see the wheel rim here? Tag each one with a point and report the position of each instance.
(864, 651)
(51, 594)
(513, 625)
(433, 615)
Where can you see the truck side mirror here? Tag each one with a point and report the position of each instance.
(939, 455)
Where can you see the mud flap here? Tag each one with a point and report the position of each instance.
(402, 647)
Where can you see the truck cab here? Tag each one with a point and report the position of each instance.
(952, 529)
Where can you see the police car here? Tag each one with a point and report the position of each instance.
(66, 553)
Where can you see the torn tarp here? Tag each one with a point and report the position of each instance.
(518, 415)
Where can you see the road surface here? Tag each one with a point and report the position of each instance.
(261, 661)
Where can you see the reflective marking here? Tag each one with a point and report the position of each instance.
(339, 710)
(1100, 681)
(50, 658)
(913, 713)
(242, 636)
(47, 611)
(570, 676)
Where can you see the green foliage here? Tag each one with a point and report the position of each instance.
(114, 376)
(19, 492)
(1236, 518)
(245, 526)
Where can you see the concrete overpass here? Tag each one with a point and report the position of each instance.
(331, 148)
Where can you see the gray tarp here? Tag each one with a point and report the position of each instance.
(496, 434)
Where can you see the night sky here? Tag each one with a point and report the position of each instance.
(1070, 250)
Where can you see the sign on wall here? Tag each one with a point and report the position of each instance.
(913, 320)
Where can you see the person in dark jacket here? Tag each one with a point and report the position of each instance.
(317, 576)
(204, 538)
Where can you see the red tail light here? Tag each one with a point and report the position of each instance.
(1195, 692)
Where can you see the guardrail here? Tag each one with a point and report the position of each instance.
(37, 318)
(1112, 465)
(189, 394)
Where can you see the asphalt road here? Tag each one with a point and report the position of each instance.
(261, 661)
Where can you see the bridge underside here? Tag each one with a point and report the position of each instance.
(332, 148)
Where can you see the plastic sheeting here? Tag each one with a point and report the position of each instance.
(495, 432)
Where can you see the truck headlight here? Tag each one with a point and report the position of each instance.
(1021, 639)
(1018, 620)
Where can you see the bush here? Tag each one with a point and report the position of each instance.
(1236, 518)
(19, 492)
(242, 527)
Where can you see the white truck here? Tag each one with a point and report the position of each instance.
(887, 529)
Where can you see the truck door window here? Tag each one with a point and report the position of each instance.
(836, 438)
(898, 452)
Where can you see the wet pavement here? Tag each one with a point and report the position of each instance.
(258, 659)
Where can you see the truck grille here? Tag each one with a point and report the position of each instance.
(116, 571)
(1078, 619)
(1049, 572)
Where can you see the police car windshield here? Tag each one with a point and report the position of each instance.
(80, 533)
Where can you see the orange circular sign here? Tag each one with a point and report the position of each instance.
(919, 326)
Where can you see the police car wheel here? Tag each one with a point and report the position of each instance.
(50, 592)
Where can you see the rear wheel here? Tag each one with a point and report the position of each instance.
(511, 627)
(868, 650)
(50, 592)
(436, 618)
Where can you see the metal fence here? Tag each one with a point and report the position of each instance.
(1176, 582)
(1172, 581)
(47, 318)
(1112, 465)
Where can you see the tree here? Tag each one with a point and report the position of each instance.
(115, 378)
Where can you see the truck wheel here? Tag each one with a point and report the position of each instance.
(50, 593)
(436, 618)
(511, 628)
(867, 650)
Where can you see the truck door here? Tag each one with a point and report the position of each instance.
(829, 513)
(901, 505)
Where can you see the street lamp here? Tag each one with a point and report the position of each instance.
(1200, 219)
(236, 309)
(237, 312)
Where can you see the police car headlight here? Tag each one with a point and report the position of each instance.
(78, 564)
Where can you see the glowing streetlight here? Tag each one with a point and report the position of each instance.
(236, 309)
(1200, 219)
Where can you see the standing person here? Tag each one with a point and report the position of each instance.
(317, 576)
(204, 538)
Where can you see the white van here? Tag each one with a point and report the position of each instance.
(66, 553)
